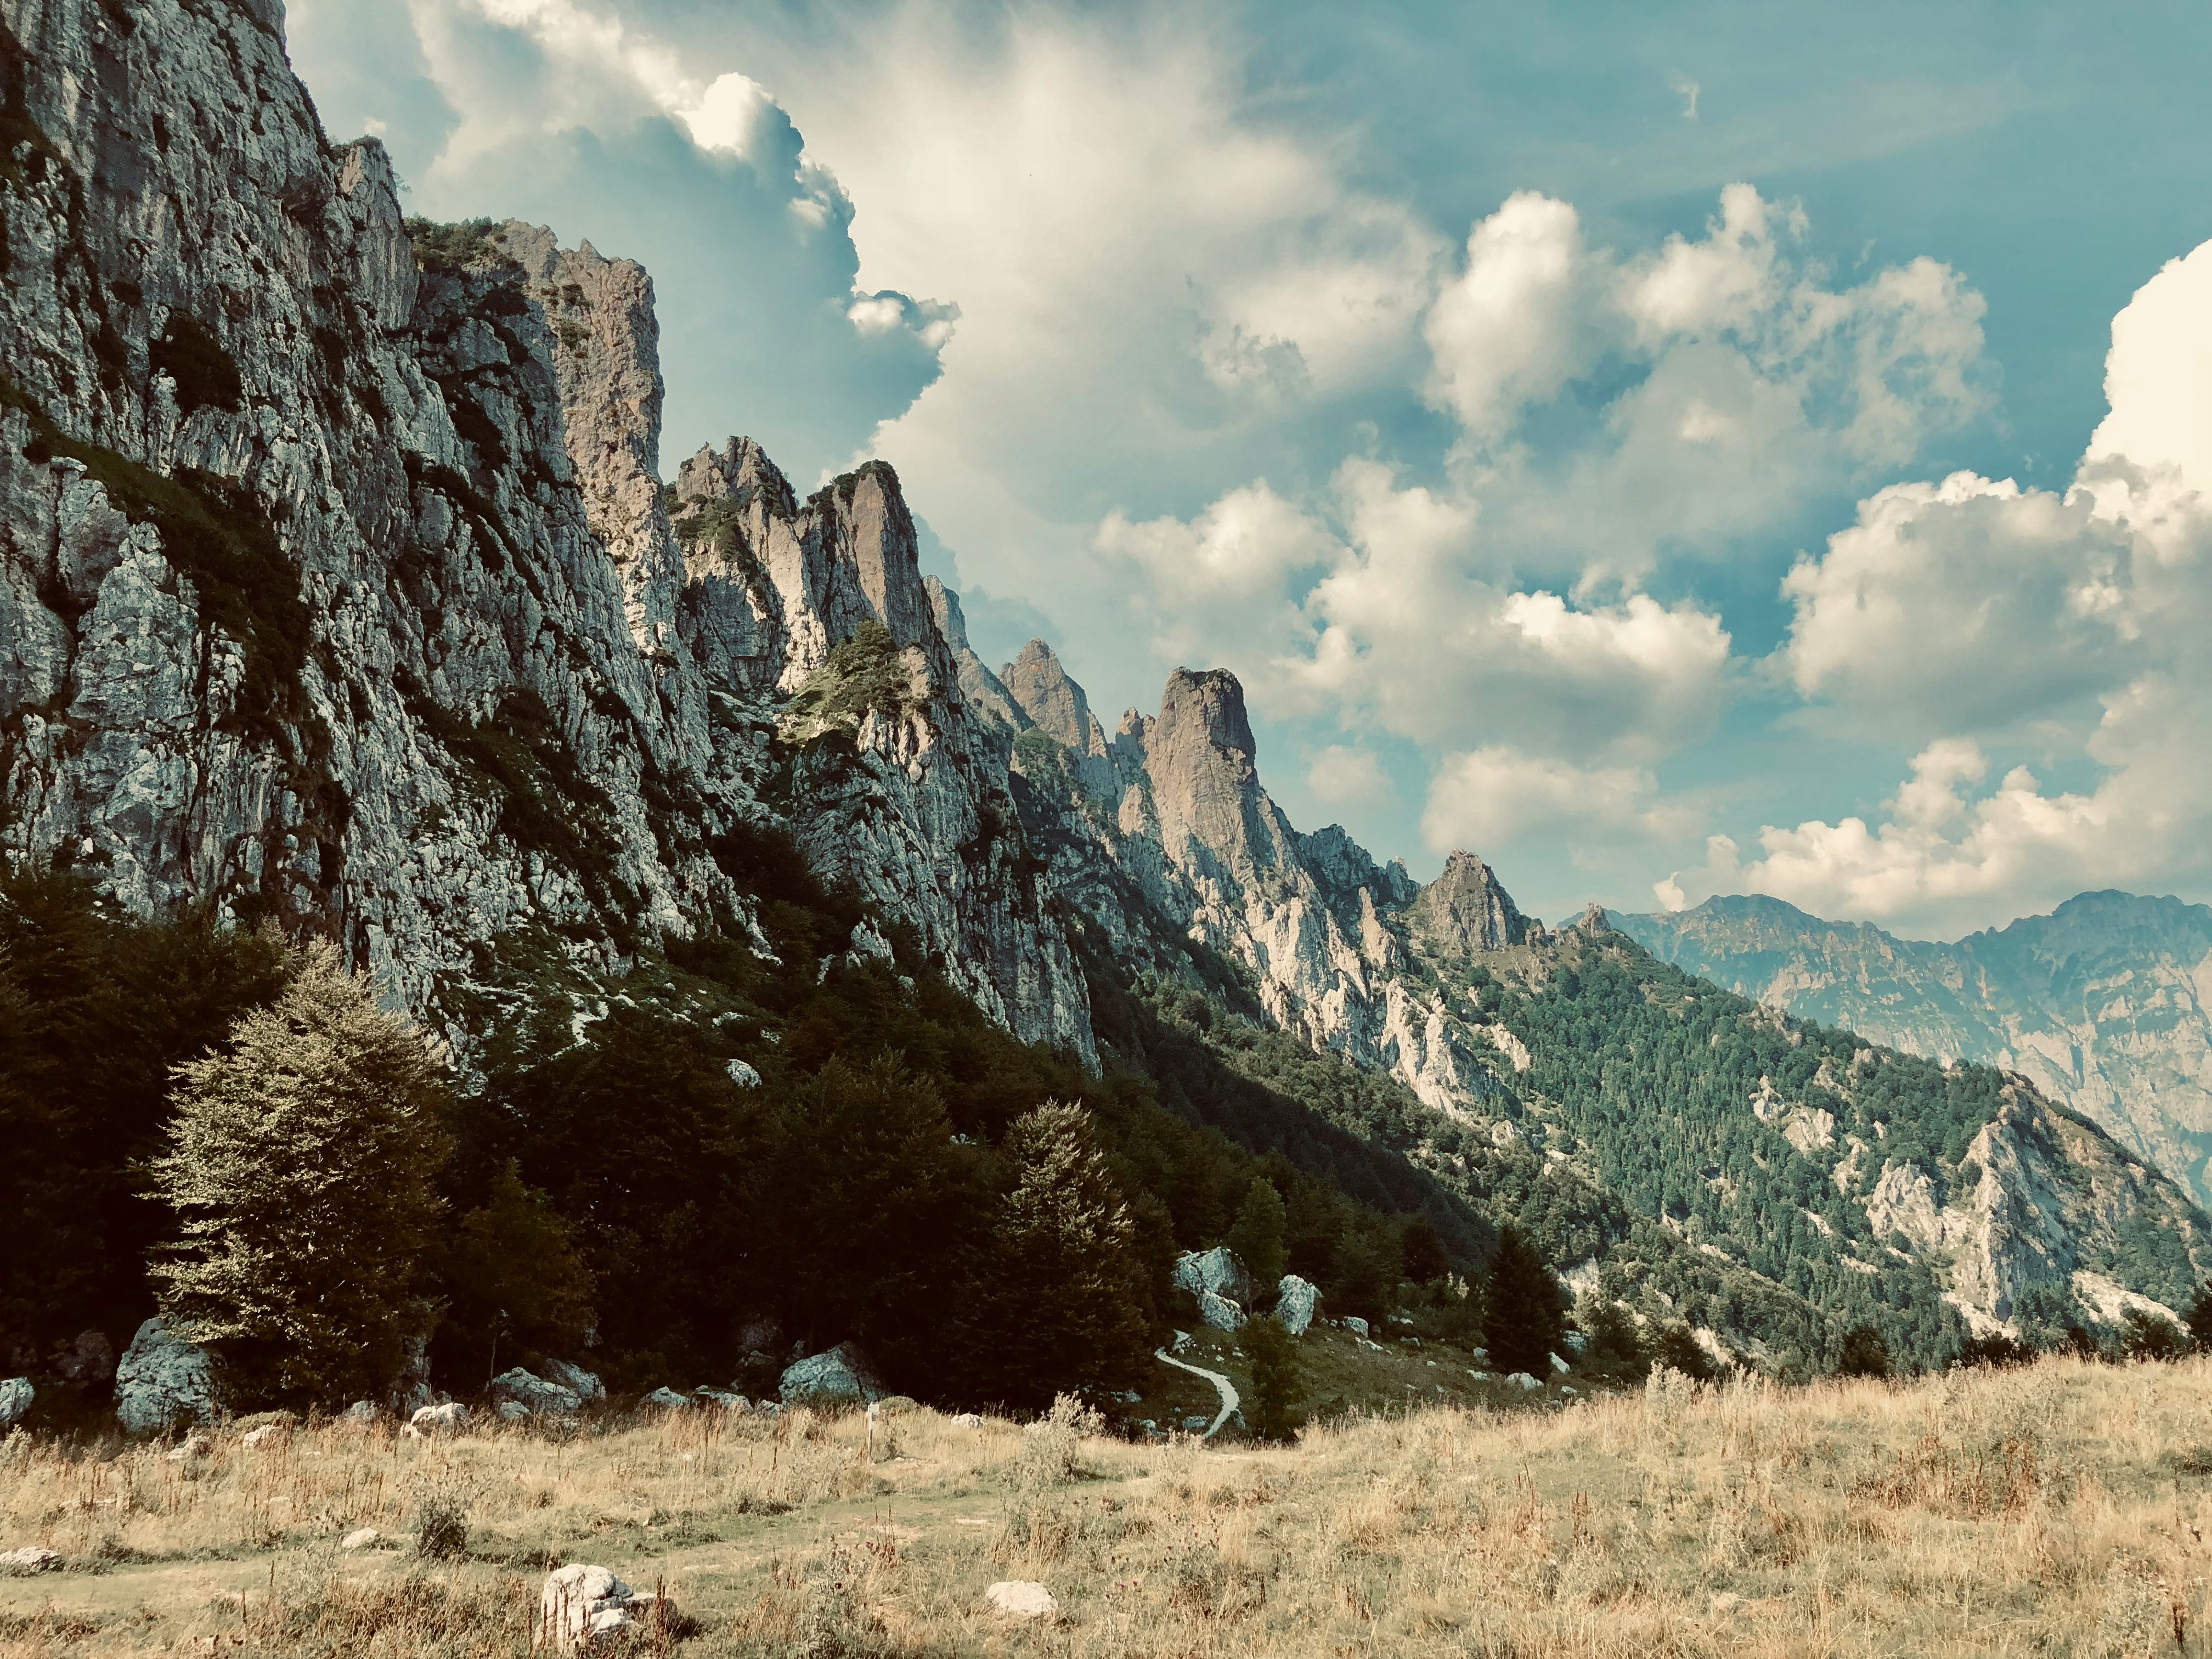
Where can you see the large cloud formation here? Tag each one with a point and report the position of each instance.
(1974, 609)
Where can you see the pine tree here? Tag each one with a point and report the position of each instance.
(1272, 1353)
(300, 1167)
(1258, 1239)
(1063, 1306)
(1521, 1321)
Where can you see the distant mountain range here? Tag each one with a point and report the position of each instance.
(2103, 1003)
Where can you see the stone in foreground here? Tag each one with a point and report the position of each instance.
(1022, 1598)
(163, 1382)
(581, 1605)
(29, 1560)
(433, 1420)
(360, 1539)
(840, 1377)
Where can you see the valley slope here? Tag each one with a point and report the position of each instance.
(2105, 1004)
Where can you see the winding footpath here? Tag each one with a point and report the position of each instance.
(1222, 1385)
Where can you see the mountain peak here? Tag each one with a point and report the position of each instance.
(1037, 681)
(1466, 910)
(1212, 701)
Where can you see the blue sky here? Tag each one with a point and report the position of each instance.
(1667, 450)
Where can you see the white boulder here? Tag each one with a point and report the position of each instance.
(839, 1376)
(968, 1420)
(536, 1397)
(580, 1605)
(360, 1539)
(15, 1396)
(1355, 1324)
(360, 1411)
(1522, 1380)
(255, 1439)
(511, 1411)
(28, 1561)
(1559, 1364)
(667, 1397)
(585, 1385)
(190, 1447)
(1296, 1300)
(744, 1076)
(1022, 1598)
(430, 1421)
(722, 1398)
(1219, 1312)
(1217, 1270)
(163, 1382)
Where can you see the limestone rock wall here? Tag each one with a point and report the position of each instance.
(337, 581)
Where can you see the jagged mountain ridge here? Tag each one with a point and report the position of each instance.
(2106, 1003)
(340, 583)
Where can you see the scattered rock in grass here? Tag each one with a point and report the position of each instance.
(20, 1564)
(1022, 1598)
(721, 1398)
(838, 1376)
(744, 1076)
(15, 1396)
(360, 1539)
(968, 1420)
(1355, 1324)
(667, 1397)
(356, 1417)
(192, 1446)
(898, 1403)
(511, 1411)
(255, 1439)
(163, 1381)
(1522, 1380)
(1559, 1364)
(433, 1420)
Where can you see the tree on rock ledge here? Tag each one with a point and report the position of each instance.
(301, 1168)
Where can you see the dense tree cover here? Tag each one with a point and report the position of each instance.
(96, 1008)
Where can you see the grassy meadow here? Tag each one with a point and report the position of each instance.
(2058, 1509)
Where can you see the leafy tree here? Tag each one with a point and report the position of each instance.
(1862, 1352)
(1613, 1346)
(1677, 1348)
(1258, 1237)
(1062, 1307)
(515, 1274)
(1521, 1323)
(301, 1167)
(1272, 1353)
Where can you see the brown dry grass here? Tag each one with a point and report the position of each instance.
(2059, 1510)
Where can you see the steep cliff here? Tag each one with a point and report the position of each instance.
(2105, 1004)
(336, 580)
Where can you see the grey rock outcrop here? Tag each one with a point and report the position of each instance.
(585, 1385)
(838, 1376)
(1217, 1271)
(290, 520)
(163, 1382)
(16, 1395)
(1466, 911)
(1296, 1301)
(534, 1395)
(430, 1422)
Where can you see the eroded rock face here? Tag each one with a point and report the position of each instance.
(260, 607)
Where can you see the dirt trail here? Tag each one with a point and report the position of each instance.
(1222, 1386)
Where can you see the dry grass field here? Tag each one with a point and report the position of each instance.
(2055, 1509)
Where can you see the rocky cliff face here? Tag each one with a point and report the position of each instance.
(336, 580)
(2105, 1004)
